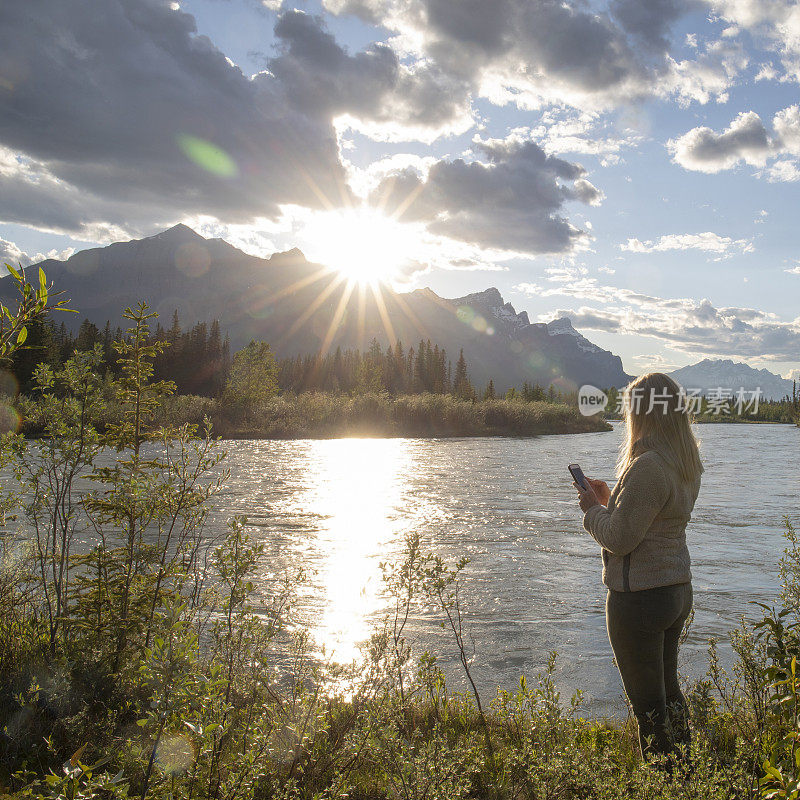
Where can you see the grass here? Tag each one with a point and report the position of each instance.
(319, 415)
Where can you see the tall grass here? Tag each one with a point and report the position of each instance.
(321, 415)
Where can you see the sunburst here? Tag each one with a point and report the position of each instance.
(363, 245)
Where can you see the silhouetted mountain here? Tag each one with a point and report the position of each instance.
(301, 307)
(732, 375)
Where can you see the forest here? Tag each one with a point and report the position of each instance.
(198, 360)
(418, 391)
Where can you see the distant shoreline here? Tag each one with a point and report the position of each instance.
(727, 420)
(317, 415)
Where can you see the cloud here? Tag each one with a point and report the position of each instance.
(546, 52)
(128, 119)
(708, 76)
(652, 362)
(586, 132)
(511, 200)
(691, 326)
(11, 253)
(787, 130)
(774, 23)
(651, 21)
(746, 140)
(722, 246)
(702, 149)
(373, 89)
(107, 103)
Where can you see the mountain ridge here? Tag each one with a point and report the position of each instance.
(301, 307)
(724, 373)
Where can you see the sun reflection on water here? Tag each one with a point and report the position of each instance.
(358, 489)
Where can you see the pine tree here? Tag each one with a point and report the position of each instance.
(462, 387)
(88, 336)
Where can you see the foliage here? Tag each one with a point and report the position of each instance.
(253, 376)
(33, 302)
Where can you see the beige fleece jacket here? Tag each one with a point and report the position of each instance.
(643, 529)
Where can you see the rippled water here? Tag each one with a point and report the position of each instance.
(340, 507)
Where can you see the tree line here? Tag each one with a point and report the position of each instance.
(424, 369)
(198, 359)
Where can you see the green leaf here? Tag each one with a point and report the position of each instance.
(14, 272)
(22, 335)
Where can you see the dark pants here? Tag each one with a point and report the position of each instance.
(644, 628)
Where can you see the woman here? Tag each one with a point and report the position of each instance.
(641, 527)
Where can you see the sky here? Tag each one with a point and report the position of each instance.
(631, 165)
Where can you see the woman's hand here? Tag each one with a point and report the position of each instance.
(586, 497)
(601, 490)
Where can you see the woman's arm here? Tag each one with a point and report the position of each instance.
(644, 489)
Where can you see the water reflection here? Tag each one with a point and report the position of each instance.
(356, 490)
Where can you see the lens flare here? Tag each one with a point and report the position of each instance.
(192, 259)
(10, 420)
(211, 158)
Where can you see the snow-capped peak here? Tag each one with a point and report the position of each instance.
(563, 326)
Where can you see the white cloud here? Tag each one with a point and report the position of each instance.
(775, 24)
(709, 76)
(745, 140)
(565, 131)
(11, 253)
(688, 325)
(783, 171)
(707, 241)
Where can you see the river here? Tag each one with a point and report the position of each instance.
(340, 507)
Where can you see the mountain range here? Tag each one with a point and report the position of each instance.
(300, 307)
(710, 374)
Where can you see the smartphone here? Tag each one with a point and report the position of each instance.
(578, 476)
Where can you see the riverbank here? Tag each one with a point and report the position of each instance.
(317, 415)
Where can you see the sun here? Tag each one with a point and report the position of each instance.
(364, 245)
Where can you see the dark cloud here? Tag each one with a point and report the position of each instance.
(102, 94)
(321, 77)
(650, 21)
(548, 47)
(123, 113)
(512, 200)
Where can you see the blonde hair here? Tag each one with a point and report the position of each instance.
(656, 419)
